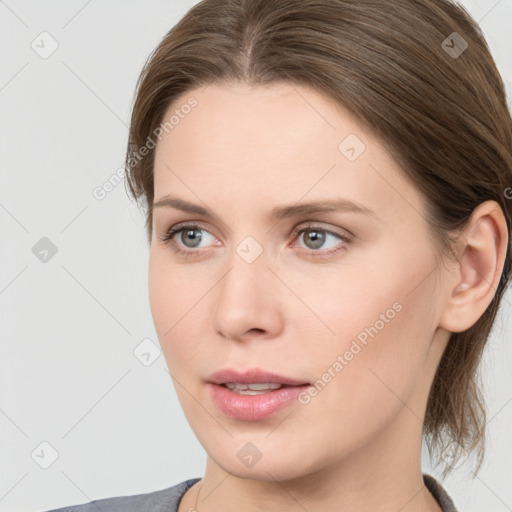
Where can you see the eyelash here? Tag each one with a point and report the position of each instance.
(167, 238)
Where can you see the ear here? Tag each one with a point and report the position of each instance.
(484, 244)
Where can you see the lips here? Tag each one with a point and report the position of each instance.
(252, 376)
(254, 394)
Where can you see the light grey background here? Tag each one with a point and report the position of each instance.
(69, 326)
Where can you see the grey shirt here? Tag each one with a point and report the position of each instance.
(167, 500)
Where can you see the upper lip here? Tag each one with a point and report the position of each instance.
(252, 376)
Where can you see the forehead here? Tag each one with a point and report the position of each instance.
(258, 116)
(278, 141)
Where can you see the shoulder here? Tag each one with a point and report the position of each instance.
(439, 493)
(164, 500)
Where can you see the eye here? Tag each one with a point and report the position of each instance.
(186, 238)
(316, 238)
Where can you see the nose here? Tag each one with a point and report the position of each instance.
(246, 303)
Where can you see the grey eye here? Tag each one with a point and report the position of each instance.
(191, 235)
(314, 238)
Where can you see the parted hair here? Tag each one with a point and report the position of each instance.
(418, 74)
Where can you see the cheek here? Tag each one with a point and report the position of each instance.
(162, 296)
(166, 297)
(178, 301)
(383, 322)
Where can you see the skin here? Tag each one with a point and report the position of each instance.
(355, 446)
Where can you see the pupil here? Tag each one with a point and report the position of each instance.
(192, 236)
(316, 238)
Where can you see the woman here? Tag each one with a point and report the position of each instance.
(327, 186)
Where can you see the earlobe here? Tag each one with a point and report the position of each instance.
(482, 257)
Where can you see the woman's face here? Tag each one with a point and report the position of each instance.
(305, 254)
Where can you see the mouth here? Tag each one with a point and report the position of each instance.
(253, 377)
(254, 388)
(254, 394)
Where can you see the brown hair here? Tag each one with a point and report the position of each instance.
(439, 107)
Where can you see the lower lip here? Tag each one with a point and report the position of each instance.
(254, 407)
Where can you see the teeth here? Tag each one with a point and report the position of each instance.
(252, 389)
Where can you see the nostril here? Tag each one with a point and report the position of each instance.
(257, 329)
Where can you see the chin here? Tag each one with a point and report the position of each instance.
(257, 458)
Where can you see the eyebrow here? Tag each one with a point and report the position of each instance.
(278, 213)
